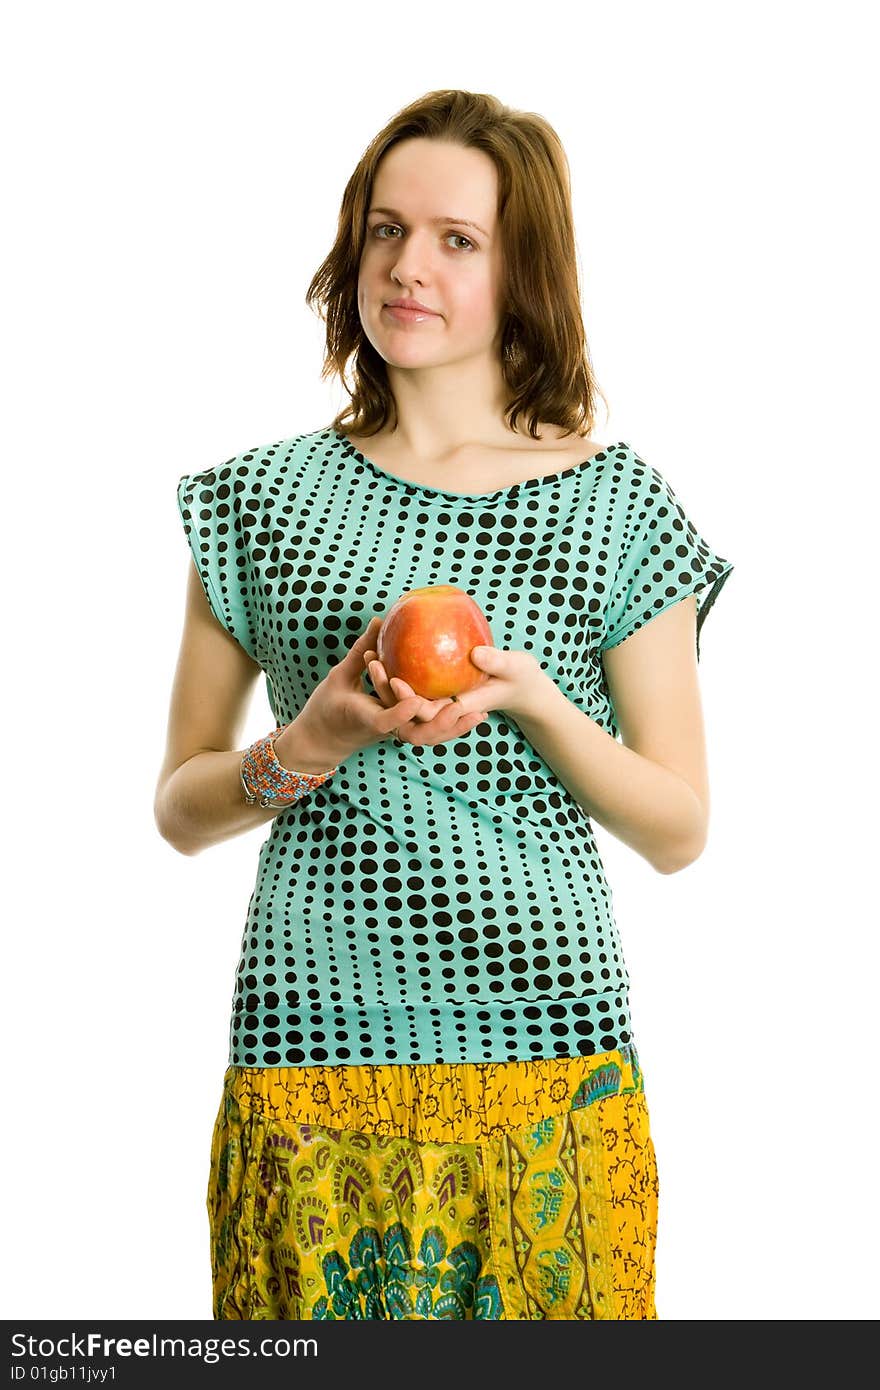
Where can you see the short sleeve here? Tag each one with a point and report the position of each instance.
(212, 519)
(661, 558)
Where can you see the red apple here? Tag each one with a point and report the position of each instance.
(426, 637)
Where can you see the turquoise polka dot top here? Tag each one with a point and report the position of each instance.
(447, 903)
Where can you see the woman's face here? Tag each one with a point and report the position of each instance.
(417, 247)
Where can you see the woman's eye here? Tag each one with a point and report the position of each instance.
(388, 226)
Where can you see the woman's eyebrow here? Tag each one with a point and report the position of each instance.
(460, 221)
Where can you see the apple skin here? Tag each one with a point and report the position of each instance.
(426, 637)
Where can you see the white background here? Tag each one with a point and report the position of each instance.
(173, 174)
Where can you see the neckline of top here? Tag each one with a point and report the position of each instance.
(433, 494)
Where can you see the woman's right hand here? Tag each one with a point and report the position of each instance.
(339, 717)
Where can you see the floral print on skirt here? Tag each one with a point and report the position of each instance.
(509, 1190)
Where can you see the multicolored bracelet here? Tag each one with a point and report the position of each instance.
(263, 777)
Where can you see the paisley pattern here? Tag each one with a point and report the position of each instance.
(511, 1190)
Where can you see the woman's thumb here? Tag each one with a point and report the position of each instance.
(367, 638)
(487, 658)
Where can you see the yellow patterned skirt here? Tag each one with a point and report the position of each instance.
(509, 1190)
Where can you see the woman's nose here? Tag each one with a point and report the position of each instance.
(412, 263)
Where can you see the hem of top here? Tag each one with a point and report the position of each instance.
(574, 1027)
(215, 603)
(716, 584)
(624, 1043)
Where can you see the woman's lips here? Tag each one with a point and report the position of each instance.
(408, 315)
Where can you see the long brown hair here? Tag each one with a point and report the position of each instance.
(544, 354)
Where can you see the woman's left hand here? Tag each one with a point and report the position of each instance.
(516, 682)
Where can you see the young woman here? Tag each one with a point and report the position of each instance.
(434, 1106)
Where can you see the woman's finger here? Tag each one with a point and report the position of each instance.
(402, 713)
(439, 731)
(381, 683)
(363, 643)
(401, 691)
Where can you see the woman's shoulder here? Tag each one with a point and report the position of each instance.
(254, 461)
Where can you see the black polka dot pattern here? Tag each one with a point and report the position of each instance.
(446, 903)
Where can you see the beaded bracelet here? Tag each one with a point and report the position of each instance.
(264, 777)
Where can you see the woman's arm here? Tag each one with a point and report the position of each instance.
(652, 790)
(199, 800)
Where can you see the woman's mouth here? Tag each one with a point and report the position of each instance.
(408, 315)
